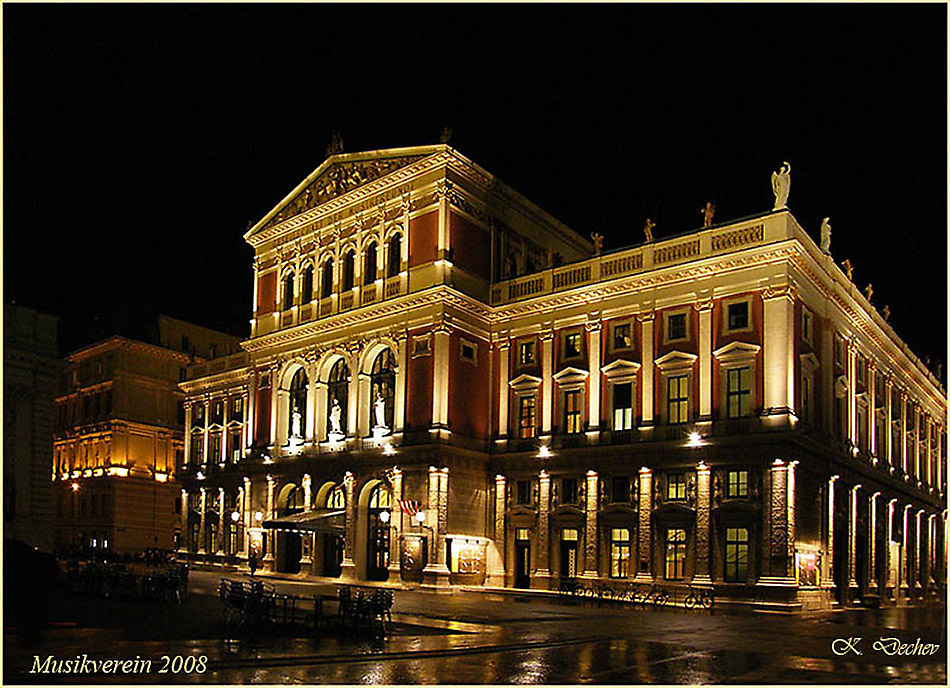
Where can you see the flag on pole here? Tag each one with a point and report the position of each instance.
(409, 507)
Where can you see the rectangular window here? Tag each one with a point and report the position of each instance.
(677, 399)
(197, 448)
(839, 351)
(738, 392)
(467, 350)
(234, 446)
(526, 417)
(676, 487)
(619, 552)
(569, 491)
(522, 534)
(217, 413)
(214, 449)
(862, 418)
(572, 412)
(623, 406)
(806, 325)
(237, 409)
(526, 353)
(737, 484)
(621, 489)
(622, 337)
(676, 327)
(572, 345)
(675, 553)
(737, 554)
(524, 491)
(737, 317)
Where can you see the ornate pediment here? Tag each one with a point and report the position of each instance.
(334, 178)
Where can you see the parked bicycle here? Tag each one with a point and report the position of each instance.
(701, 597)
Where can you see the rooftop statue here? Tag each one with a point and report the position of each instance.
(886, 312)
(781, 182)
(648, 229)
(598, 240)
(825, 236)
(708, 212)
(869, 291)
(848, 269)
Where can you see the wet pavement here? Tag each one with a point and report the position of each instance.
(478, 638)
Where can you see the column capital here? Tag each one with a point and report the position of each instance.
(646, 316)
(703, 305)
(593, 326)
(546, 335)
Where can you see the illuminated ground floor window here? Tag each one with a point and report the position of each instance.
(619, 552)
(675, 553)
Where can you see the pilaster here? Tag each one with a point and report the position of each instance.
(440, 377)
(853, 589)
(647, 356)
(547, 382)
(271, 540)
(644, 530)
(543, 573)
(592, 492)
(778, 350)
(204, 517)
(503, 391)
(348, 566)
(396, 527)
(705, 359)
(703, 508)
(593, 375)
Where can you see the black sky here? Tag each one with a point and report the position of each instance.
(140, 140)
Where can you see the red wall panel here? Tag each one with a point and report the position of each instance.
(469, 386)
(471, 246)
(267, 293)
(423, 239)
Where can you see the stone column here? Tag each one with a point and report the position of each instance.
(889, 537)
(547, 382)
(903, 449)
(872, 409)
(644, 530)
(872, 546)
(590, 531)
(920, 561)
(703, 507)
(853, 589)
(353, 392)
(646, 347)
(310, 413)
(705, 359)
(306, 555)
(204, 516)
(503, 391)
(852, 395)
(399, 399)
(396, 527)
(219, 549)
(276, 399)
(349, 540)
(827, 564)
(905, 555)
(250, 418)
(268, 514)
(499, 530)
(932, 563)
(443, 511)
(779, 525)
(187, 405)
(888, 424)
(362, 405)
(320, 420)
(437, 510)
(543, 573)
(593, 376)
(186, 524)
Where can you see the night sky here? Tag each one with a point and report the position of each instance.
(140, 140)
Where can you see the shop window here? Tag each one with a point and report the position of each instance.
(623, 406)
(676, 487)
(619, 552)
(737, 484)
(677, 399)
(738, 392)
(737, 554)
(675, 553)
(572, 412)
(572, 345)
(622, 337)
(526, 416)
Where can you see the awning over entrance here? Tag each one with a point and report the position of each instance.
(317, 521)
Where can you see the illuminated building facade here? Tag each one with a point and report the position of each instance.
(443, 385)
(119, 435)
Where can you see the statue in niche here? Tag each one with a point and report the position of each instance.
(336, 416)
(781, 182)
(848, 269)
(825, 236)
(708, 212)
(598, 240)
(379, 410)
(869, 291)
(295, 423)
(648, 230)
(886, 312)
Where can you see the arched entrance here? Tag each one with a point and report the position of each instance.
(378, 514)
(289, 544)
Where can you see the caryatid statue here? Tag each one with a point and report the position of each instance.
(781, 182)
(825, 236)
(708, 212)
(648, 230)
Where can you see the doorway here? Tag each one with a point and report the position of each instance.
(332, 555)
(289, 546)
(568, 555)
(522, 559)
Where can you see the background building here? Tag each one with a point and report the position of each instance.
(443, 384)
(119, 434)
(30, 368)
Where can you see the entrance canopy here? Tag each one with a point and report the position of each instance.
(317, 521)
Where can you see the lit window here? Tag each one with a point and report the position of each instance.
(737, 484)
(622, 338)
(738, 392)
(526, 416)
(572, 412)
(623, 406)
(676, 326)
(572, 345)
(526, 353)
(677, 399)
(675, 553)
(619, 552)
(737, 554)
(676, 487)
(738, 316)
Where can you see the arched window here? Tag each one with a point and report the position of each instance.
(336, 499)
(306, 292)
(348, 261)
(297, 408)
(377, 541)
(394, 257)
(337, 387)
(382, 389)
(369, 263)
(288, 291)
(326, 284)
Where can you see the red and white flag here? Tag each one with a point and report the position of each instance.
(409, 507)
